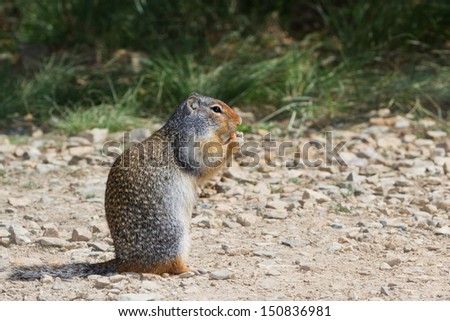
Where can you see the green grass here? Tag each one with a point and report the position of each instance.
(358, 56)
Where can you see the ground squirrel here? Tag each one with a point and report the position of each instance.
(151, 192)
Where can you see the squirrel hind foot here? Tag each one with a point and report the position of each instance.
(176, 266)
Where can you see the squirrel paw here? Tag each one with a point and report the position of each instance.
(236, 140)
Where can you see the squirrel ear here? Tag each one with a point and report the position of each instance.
(193, 101)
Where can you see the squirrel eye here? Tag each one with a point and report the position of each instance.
(216, 109)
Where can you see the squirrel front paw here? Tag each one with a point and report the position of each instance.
(235, 142)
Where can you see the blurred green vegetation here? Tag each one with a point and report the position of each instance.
(77, 64)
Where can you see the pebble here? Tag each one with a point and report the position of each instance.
(117, 278)
(436, 134)
(19, 235)
(385, 266)
(272, 272)
(100, 246)
(384, 290)
(335, 247)
(58, 284)
(443, 205)
(151, 285)
(262, 189)
(45, 168)
(81, 234)
(95, 135)
(137, 297)
(221, 275)
(231, 224)
(187, 275)
(19, 201)
(393, 262)
(277, 205)
(336, 226)
(78, 141)
(102, 282)
(50, 230)
(445, 230)
(276, 214)
(295, 243)
(53, 242)
(214, 223)
(46, 279)
(268, 254)
(80, 150)
(316, 196)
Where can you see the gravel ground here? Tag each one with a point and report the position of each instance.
(376, 229)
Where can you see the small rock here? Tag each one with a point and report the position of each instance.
(80, 150)
(272, 272)
(19, 201)
(238, 174)
(58, 285)
(277, 205)
(384, 112)
(102, 282)
(385, 266)
(336, 226)
(214, 223)
(19, 235)
(443, 205)
(95, 135)
(231, 224)
(384, 290)
(99, 246)
(53, 241)
(420, 142)
(276, 214)
(443, 231)
(353, 177)
(221, 275)
(187, 275)
(262, 189)
(81, 234)
(151, 285)
(50, 230)
(200, 220)
(403, 183)
(100, 227)
(402, 123)
(264, 254)
(4, 232)
(335, 247)
(46, 279)
(117, 278)
(78, 141)
(393, 262)
(295, 243)
(45, 168)
(316, 196)
(137, 297)
(247, 219)
(389, 142)
(436, 134)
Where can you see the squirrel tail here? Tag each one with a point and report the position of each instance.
(64, 271)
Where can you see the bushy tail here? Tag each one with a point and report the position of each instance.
(64, 271)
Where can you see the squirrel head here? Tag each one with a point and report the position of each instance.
(209, 118)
